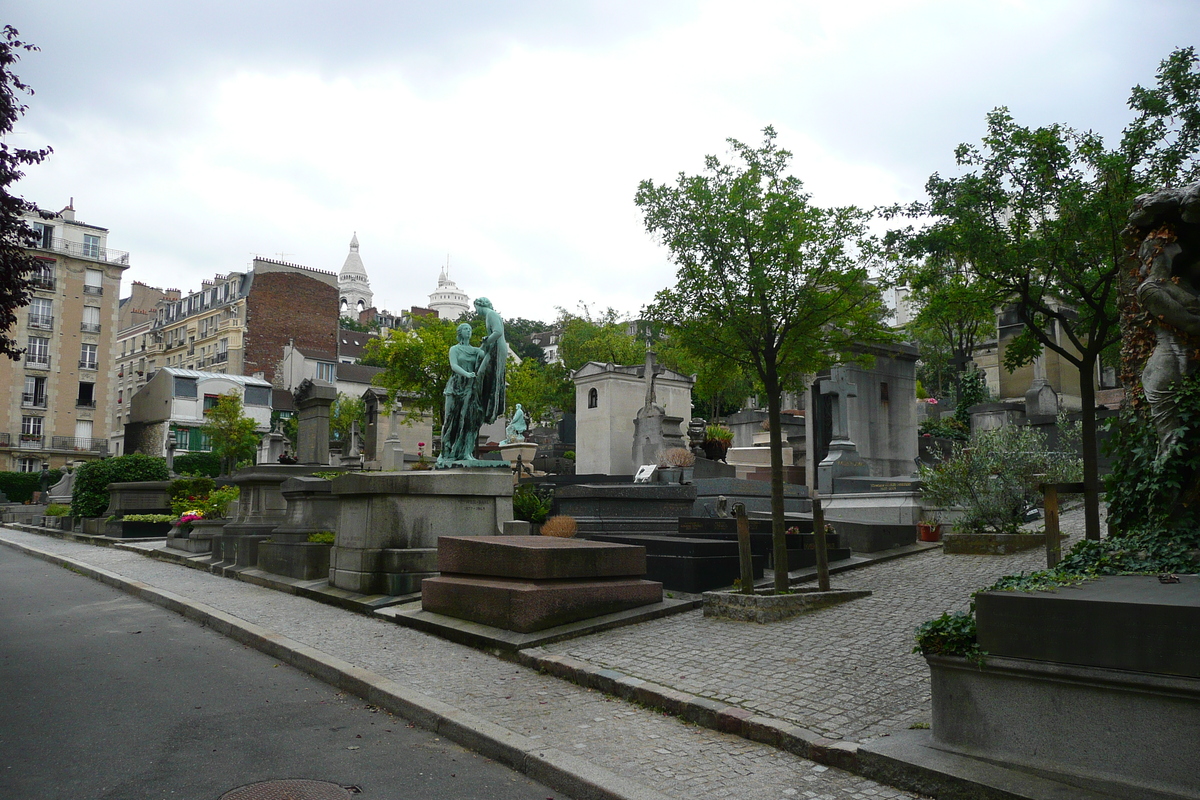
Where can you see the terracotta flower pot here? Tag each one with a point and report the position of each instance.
(929, 532)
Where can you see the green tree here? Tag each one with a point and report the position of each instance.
(351, 324)
(344, 412)
(604, 338)
(416, 364)
(16, 263)
(766, 282)
(519, 331)
(720, 388)
(1038, 214)
(232, 434)
(542, 389)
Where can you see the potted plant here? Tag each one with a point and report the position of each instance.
(145, 526)
(929, 528)
(717, 440)
(676, 465)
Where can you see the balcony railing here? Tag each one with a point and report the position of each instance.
(221, 358)
(81, 403)
(31, 441)
(37, 362)
(90, 327)
(87, 365)
(78, 443)
(43, 282)
(91, 251)
(89, 289)
(33, 400)
(41, 321)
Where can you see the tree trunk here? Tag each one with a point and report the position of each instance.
(1091, 466)
(778, 537)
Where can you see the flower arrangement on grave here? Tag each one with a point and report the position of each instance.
(184, 524)
(423, 463)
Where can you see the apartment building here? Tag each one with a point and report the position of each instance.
(238, 323)
(57, 406)
(137, 353)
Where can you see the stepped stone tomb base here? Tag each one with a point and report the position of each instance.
(530, 583)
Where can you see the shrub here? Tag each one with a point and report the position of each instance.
(57, 510)
(321, 537)
(20, 486)
(198, 464)
(89, 497)
(570, 454)
(995, 479)
(949, 635)
(146, 518)
(216, 505)
(187, 493)
(718, 433)
(532, 503)
(562, 526)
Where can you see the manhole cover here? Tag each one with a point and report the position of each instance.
(289, 790)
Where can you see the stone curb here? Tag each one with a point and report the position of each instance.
(561, 771)
(700, 710)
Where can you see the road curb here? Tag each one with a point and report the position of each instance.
(561, 771)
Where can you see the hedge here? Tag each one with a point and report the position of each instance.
(20, 486)
(206, 464)
(90, 495)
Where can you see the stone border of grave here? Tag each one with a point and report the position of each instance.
(990, 544)
(770, 607)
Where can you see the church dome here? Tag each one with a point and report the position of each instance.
(448, 300)
(354, 289)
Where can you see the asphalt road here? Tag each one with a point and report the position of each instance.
(108, 697)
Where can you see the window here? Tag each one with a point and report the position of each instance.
(120, 396)
(91, 246)
(210, 402)
(28, 464)
(185, 387)
(91, 320)
(884, 396)
(83, 433)
(34, 395)
(87, 356)
(41, 313)
(38, 351)
(326, 372)
(31, 431)
(43, 275)
(87, 395)
(593, 398)
(258, 396)
(45, 235)
(93, 281)
(222, 351)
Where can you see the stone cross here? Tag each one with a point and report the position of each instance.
(840, 390)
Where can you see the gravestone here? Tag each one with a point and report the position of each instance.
(649, 441)
(313, 400)
(842, 460)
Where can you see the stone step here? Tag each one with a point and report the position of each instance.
(538, 557)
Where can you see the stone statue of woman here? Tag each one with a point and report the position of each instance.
(494, 362)
(476, 385)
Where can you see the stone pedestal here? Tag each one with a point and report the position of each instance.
(526, 450)
(1097, 685)
(199, 539)
(311, 508)
(842, 461)
(389, 523)
(261, 508)
(391, 455)
(139, 497)
(313, 399)
(530, 583)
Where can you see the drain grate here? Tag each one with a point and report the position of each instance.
(289, 790)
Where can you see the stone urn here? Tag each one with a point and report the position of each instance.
(525, 450)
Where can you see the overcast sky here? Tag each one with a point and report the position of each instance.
(511, 136)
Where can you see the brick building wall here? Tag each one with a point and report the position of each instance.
(287, 307)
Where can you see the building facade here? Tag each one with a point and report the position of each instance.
(239, 323)
(447, 299)
(57, 406)
(137, 355)
(354, 289)
(176, 399)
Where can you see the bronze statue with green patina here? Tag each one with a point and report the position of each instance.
(475, 393)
